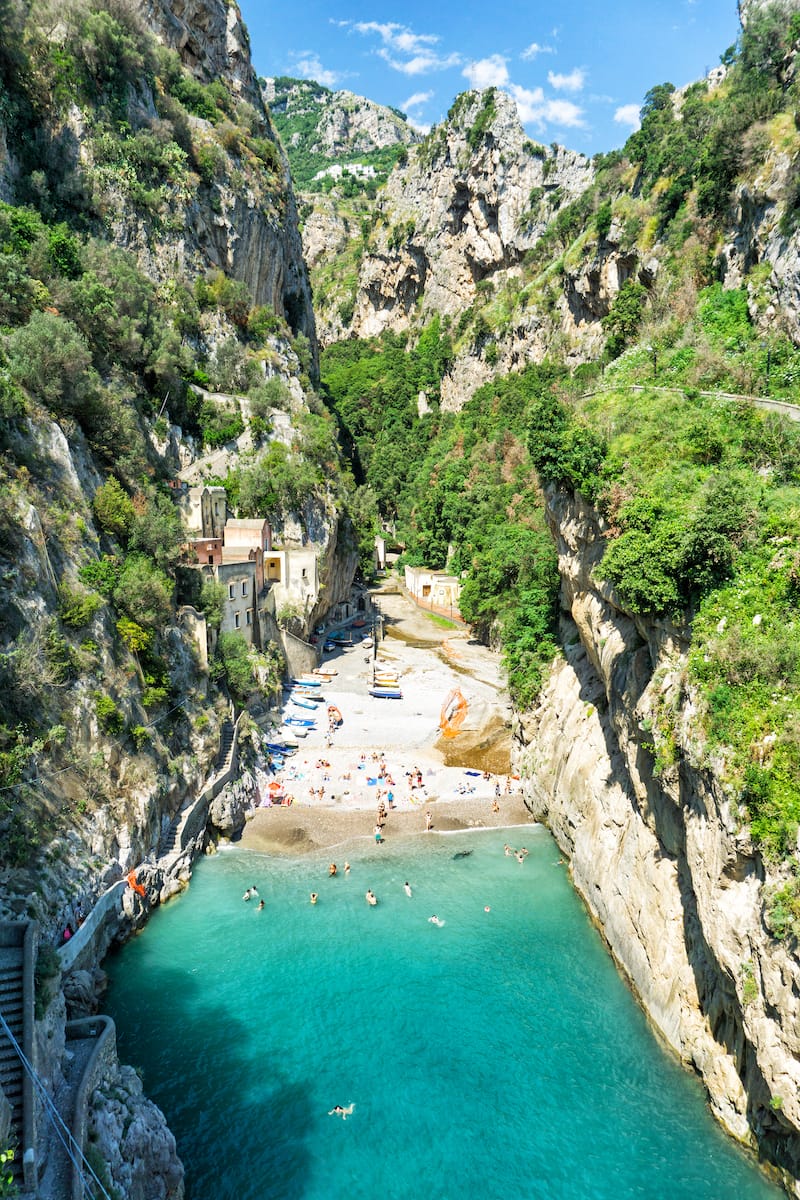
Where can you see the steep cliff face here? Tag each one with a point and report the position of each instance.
(334, 125)
(659, 853)
(456, 232)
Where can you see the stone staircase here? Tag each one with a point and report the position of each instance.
(170, 842)
(12, 1007)
(225, 747)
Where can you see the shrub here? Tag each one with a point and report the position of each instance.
(50, 357)
(144, 593)
(272, 394)
(114, 510)
(109, 717)
(623, 319)
(101, 574)
(77, 608)
(233, 665)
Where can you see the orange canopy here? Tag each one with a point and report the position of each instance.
(454, 710)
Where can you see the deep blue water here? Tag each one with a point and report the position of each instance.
(497, 1056)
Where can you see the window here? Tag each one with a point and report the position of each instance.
(211, 560)
(230, 591)
(249, 616)
(244, 587)
(237, 620)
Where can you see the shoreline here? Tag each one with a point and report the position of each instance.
(302, 830)
(391, 752)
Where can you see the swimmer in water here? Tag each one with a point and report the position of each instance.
(370, 897)
(347, 868)
(434, 920)
(407, 888)
(259, 906)
(313, 897)
(332, 870)
(507, 850)
(338, 1111)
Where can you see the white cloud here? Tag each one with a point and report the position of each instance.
(308, 66)
(535, 108)
(420, 64)
(415, 100)
(421, 57)
(534, 49)
(487, 72)
(398, 37)
(420, 126)
(567, 83)
(628, 114)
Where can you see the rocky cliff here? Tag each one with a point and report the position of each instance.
(149, 246)
(659, 853)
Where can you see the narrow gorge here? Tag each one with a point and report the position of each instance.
(255, 335)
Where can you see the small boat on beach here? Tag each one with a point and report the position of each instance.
(299, 722)
(284, 746)
(296, 731)
(384, 678)
(307, 693)
(367, 642)
(301, 702)
(386, 693)
(325, 672)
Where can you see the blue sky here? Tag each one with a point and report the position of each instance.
(578, 70)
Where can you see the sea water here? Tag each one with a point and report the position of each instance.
(496, 1055)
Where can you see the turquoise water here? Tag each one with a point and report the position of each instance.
(499, 1055)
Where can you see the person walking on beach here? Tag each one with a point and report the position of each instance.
(428, 821)
(378, 835)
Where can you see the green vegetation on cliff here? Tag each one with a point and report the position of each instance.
(299, 108)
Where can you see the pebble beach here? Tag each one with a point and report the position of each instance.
(395, 746)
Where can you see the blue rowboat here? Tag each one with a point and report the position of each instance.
(281, 748)
(307, 681)
(301, 703)
(386, 693)
(300, 722)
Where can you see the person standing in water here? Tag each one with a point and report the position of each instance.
(370, 897)
(407, 888)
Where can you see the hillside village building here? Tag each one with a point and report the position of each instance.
(258, 577)
(436, 590)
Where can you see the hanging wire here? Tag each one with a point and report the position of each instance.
(55, 1118)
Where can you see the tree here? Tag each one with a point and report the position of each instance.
(624, 317)
(114, 510)
(144, 593)
(50, 357)
(158, 531)
(234, 666)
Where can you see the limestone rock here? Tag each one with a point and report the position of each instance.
(132, 1137)
(656, 852)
